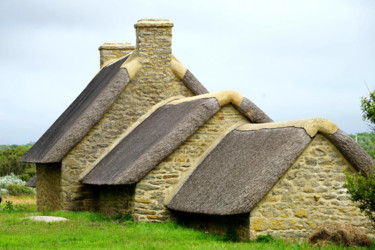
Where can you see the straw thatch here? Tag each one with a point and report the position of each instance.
(253, 112)
(345, 235)
(240, 171)
(31, 182)
(80, 116)
(151, 141)
(354, 153)
(192, 83)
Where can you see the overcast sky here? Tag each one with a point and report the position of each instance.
(294, 59)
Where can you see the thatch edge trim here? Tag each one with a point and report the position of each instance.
(223, 97)
(352, 151)
(178, 69)
(311, 126)
(178, 186)
(127, 132)
(251, 111)
(132, 65)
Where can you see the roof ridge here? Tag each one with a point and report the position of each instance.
(312, 126)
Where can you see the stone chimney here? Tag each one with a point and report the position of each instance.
(154, 42)
(110, 52)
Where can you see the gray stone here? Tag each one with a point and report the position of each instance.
(47, 218)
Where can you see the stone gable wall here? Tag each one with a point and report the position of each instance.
(137, 98)
(153, 83)
(308, 195)
(151, 191)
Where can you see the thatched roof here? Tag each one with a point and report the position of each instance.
(193, 84)
(87, 110)
(253, 112)
(151, 141)
(32, 182)
(240, 171)
(159, 135)
(248, 162)
(354, 153)
(80, 116)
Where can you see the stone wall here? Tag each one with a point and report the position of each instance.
(152, 190)
(153, 83)
(310, 194)
(110, 52)
(48, 185)
(114, 200)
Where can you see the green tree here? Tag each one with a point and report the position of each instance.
(361, 187)
(361, 190)
(9, 161)
(368, 109)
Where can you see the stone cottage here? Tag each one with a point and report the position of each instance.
(145, 137)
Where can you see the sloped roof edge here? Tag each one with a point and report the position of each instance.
(240, 171)
(129, 130)
(311, 126)
(242, 104)
(151, 141)
(77, 120)
(32, 182)
(354, 153)
(181, 199)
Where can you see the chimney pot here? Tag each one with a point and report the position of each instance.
(154, 41)
(113, 51)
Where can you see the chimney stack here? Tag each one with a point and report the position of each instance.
(110, 52)
(154, 42)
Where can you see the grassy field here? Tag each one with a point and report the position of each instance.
(86, 230)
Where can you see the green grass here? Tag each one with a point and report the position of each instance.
(86, 230)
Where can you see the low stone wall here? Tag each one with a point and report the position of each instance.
(114, 200)
(310, 194)
(152, 190)
(48, 186)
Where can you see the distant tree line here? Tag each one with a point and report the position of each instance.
(9, 161)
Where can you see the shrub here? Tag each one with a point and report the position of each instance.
(10, 179)
(8, 206)
(4, 192)
(264, 238)
(28, 174)
(361, 189)
(18, 190)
